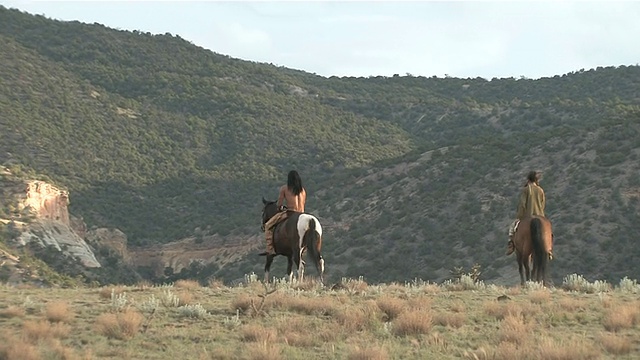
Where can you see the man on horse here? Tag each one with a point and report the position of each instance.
(295, 196)
(531, 202)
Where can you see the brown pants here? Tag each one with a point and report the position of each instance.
(280, 216)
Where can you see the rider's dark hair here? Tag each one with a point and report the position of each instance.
(534, 177)
(294, 183)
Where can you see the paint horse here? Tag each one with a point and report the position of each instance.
(533, 240)
(293, 237)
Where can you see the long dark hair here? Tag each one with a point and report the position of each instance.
(294, 183)
(532, 177)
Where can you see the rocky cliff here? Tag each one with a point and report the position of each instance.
(46, 202)
(39, 214)
(37, 211)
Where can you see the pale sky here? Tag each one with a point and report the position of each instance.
(357, 38)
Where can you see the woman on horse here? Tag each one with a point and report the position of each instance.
(531, 202)
(295, 196)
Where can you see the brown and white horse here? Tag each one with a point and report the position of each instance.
(293, 237)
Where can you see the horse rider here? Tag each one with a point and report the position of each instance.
(295, 196)
(531, 202)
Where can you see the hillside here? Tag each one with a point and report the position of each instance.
(411, 176)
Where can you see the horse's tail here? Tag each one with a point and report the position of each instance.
(313, 240)
(540, 256)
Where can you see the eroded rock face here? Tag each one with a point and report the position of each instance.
(50, 226)
(60, 236)
(47, 201)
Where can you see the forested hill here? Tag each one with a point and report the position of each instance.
(412, 176)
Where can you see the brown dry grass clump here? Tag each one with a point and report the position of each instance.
(187, 284)
(300, 339)
(514, 329)
(431, 289)
(265, 351)
(457, 306)
(257, 333)
(368, 353)
(540, 296)
(421, 302)
(184, 298)
(534, 349)
(143, 285)
(123, 325)
(355, 286)
(454, 320)
(57, 350)
(308, 284)
(300, 331)
(514, 291)
(572, 304)
(359, 318)
(391, 306)
(621, 317)
(35, 331)
(308, 306)
(11, 312)
(105, 292)
(241, 302)
(13, 348)
(413, 322)
(500, 310)
(574, 349)
(615, 344)
(58, 312)
(214, 283)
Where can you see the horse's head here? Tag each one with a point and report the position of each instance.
(269, 209)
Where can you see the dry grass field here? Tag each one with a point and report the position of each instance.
(459, 319)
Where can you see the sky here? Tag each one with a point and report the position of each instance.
(484, 39)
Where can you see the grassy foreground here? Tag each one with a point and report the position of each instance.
(350, 320)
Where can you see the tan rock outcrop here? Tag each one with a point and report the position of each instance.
(46, 201)
(43, 216)
(111, 238)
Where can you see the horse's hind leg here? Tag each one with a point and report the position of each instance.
(527, 269)
(301, 266)
(534, 272)
(520, 269)
(321, 269)
(267, 267)
(290, 268)
(298, 261)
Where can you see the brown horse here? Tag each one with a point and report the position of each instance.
(533, 240)
(292, 238)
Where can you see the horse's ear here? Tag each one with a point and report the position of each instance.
(264, 201)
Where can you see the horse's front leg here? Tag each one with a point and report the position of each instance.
(267, 267)
(290, 268)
